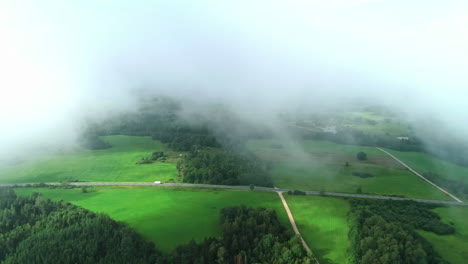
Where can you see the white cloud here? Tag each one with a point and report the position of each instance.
(61, 58)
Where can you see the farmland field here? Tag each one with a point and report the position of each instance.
(315, 165)
(451, 247)
(107, 165)
(166, 216)
(423, 162)
(322, 223)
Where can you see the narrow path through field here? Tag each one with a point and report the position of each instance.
(293, 224)
(419, 175)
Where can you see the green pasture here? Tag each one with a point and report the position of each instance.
(316, 165)
(167, 216)
(322, 223)
(313, 146)
(107, 165)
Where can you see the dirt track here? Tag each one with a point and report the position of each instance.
(422, 177)
(293, 223)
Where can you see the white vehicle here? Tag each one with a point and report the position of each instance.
(157, 182)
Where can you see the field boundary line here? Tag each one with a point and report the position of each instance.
(421, 176)
(294, 226)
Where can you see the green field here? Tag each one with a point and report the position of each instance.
(108, 165)
(315, 165)
(423, 162)
(168, 216)
(322, 223)
(310, 146)
(453, 248)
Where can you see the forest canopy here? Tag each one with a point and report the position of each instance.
(384, 232)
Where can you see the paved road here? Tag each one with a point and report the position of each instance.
(257, 188)
(420, 176)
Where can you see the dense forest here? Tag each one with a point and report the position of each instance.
(37, 230)
(223, 167)
(250, 235)
(384, 232)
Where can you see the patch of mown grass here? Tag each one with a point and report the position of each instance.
(168, 216)
(323, 225)
(115, 164)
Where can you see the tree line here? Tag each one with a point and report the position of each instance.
(219, 166)
(383, 232)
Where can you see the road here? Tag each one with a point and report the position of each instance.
(257, 188)
(420, 176)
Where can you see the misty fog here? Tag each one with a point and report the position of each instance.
(62, 62)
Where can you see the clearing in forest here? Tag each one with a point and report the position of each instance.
(168, 217)
(322, 223)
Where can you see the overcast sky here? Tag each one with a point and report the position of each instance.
(62, 59)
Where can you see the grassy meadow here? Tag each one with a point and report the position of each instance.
(453, 248)
(315, 165)
(167, 216)
(107, 165)
(423, 162)
(323, 225)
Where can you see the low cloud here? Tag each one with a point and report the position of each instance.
(66, 62)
